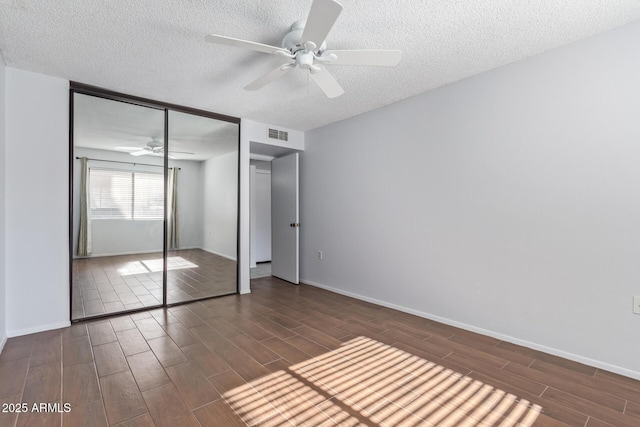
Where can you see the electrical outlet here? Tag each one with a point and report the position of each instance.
(636, 304)
(319, 254)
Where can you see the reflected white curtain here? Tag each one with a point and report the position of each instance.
(84, 234)
(172, 211)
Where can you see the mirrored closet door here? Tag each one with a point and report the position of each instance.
(118, 209)
(154, 213)
(202, 200)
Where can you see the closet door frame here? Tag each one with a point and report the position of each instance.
(81, 88)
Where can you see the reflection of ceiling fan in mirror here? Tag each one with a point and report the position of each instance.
(154, 147)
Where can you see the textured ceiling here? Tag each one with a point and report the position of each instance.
(156, 48)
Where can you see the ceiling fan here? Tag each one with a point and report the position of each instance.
(155, 147)
(305, 47)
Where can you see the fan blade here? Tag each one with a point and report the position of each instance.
(122, 148)
(180, 152)
(378, 58)
(269, 77)
(327, 83)
(161, 155)
(230, 41)
(322, 16)
(140, 153)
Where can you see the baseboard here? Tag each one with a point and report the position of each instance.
(159, 251)
(2, 343)
(550, 350)
(219, 254)
(42, 328)
(155, 251)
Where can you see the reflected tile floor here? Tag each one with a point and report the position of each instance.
(113, 284)
(288, 355)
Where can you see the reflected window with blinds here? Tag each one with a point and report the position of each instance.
(117, 194)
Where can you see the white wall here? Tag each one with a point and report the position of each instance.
(190, 203)
(258, 132)
(252, 215)
(220, 218)
(37, 202)
(505, 203)
(263, 215)
(260, 211)
(113, 236)
(3, 304)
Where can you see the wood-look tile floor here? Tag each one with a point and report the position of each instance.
(103, 285)
(297, 355)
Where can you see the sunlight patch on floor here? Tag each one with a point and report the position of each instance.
(131, 268)
(154, 266)
(366, 382)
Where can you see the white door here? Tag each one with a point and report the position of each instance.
(284, 218)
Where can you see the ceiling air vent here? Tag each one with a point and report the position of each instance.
(278, 134)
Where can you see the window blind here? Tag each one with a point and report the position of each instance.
(115, 194)
(148, 196)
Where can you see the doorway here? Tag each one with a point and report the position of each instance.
(274, 220)
(260, 184)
